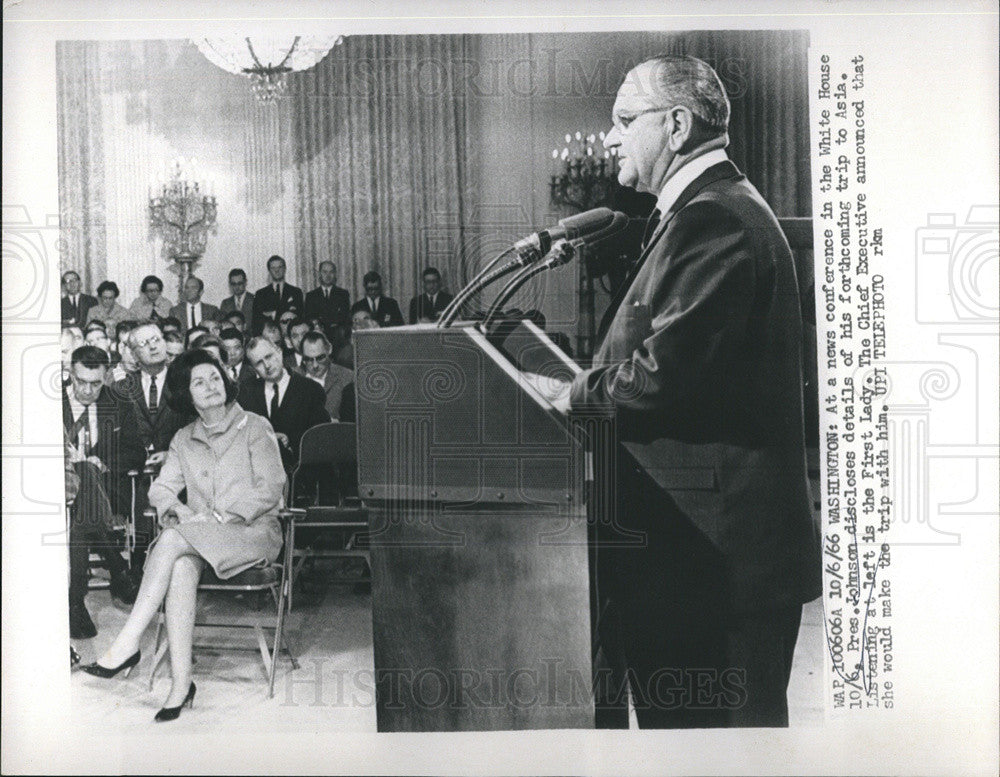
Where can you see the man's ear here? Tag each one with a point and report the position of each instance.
(682, 132)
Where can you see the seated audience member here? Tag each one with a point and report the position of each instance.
(191, 311)
(93, 422)
(278, 297)
(174, 345)
(90, 523)
(214, 346)
(150, 304)
(328, 302)
(319, 367)
(239, 300)
(427, 307)
(292, 402)
(236, 365)
(75, 305)
(193, 335)
(271, 331)
(97, 336)
(360, 319)
(155, 422)
(70, 339)
(214, 327)
(122, 328)
(171, 324)
(236, 320)
(217, 496)
(384, 310)
(297, 329)
(107, 310)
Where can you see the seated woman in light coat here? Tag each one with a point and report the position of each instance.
(228, 461)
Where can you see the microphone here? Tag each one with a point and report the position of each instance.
(562, 252)
(535, 246)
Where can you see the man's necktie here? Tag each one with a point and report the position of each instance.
(277, 290)
(274, 401)
(191, 310)
(233, 374)
(651, 225)
(78, 426)
(326, 293)
(154, 395)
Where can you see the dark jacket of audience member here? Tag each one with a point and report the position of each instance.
(302, 407)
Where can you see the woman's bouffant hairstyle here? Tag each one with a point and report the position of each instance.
(178, 385)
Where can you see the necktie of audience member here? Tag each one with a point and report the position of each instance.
(154, 396)
(233, 373)
(82, 422)
(274, 401)
(194, 321)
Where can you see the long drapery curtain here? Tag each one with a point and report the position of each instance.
(384, 164)
(80, 129)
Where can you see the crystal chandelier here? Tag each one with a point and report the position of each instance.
(266, 61)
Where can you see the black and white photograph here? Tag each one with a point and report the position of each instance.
(580, 390)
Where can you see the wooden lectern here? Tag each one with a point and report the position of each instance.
(481, 567)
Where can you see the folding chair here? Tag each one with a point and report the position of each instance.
(274, 577)
(327, 476)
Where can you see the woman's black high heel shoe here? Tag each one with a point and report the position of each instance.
(172, 713)
(102, 671)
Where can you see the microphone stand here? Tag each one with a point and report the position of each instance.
(562, 252)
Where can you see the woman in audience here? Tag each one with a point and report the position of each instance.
(151, 304)
(107, 308)
(228, 463)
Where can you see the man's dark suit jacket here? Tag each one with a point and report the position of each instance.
(77, 316)
(422, 307)
(335, 311)
(265, 300)
(118, 451)
(180, 312)
(388, 311)
(302, 407)
(156, 429)
(701, 360)
(229, 305)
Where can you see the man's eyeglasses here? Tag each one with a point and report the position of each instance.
(624, 120)
(315, 359)
(154, 340)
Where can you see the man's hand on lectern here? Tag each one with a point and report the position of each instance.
(556, 391)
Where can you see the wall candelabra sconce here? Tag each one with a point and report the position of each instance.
(586, 174)
(182, 212)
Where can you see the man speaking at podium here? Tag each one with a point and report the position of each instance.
(700, 359)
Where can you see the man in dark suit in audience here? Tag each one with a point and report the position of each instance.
(427, 307)
(700, 361)
(240, 299)
(191, 311)
(384, 310)
(328, 302)
(236, 364)
(75, 305)
(93, 422)
(292, 402)
(277, 297)
(155, 423)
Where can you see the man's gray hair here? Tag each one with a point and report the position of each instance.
(688, 81)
